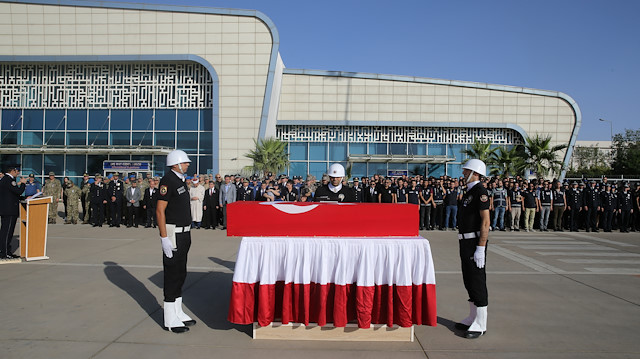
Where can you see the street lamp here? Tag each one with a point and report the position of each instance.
(611, 127)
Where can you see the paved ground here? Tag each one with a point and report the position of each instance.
(551, 295)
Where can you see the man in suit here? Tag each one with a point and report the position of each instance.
(227, 195)
(261, 192)
(210, 206)
(98, 195)
(150, 202)
(133, 195)
(10, 194)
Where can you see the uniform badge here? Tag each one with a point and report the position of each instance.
(163, 190)
(484, 198)
(13, 183)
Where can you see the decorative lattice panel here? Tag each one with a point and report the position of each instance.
(113, 85)
(396, 134)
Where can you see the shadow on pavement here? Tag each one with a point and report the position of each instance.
(227, 264)
(132, 286)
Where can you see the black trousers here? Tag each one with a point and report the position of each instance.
(474, 278)
(116, 212)
(210, 218)
(607, 217)
(625, 216)
(437, 217)
(175, 268)
(97, 213)
(151, 216)
(592, 219)
(574, 218)
(7, 226)
(133, 215)
(425, 216)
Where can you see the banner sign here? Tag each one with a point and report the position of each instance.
(126, 165)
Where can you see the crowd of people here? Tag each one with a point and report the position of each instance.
(515, 203)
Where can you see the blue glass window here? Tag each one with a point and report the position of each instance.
(436, 169)
(9, 138)
(358, 169)
(206, 142)
(31, 164)
(54, 138)
(188, 120)
(318, 151)
(454, 170)
(378, 149)
(98, 139)
(159, 163)
(377, 169)
(205, 163)
(417, 149)
(318, 169)
(76, 119)
(119, 138)
(188, 142)
(397, 166)
(99, 120)
(11, 120)
(298, 169)
(119, 158)
(54, 120)
(121, 120)
(437, 150)
(32, 120)
(142, 120)
(398, 148)
(147, 158)
(9, 160)
(455, 151)
(142, 138)
(337, 151)
(94, 164)
(165, 120)
(76, 165)
(206, 120)
(298, 151)
(358, 148)
(76, 138)
(32, 138)
(166, 139)
(417, 169)
(54, 163)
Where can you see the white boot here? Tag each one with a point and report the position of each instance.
(479, 325)
(472, 315)
(171, 321)
(182, 316)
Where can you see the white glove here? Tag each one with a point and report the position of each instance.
(167, 248)
(478, 256)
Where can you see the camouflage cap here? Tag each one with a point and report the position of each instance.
(52, 173)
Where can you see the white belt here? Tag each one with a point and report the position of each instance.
(183, 229)
(470, 235)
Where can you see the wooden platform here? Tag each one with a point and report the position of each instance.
(297, 331)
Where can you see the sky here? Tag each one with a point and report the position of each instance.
(587, 49)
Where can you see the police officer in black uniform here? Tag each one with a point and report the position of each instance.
(609, 202)
(591, 203)
(244, 192)
(116, 193)
(10, 195)
(174, 223)
(98, 194)
(473, 224)
(357, 189)
(334, 190)
(625, 205)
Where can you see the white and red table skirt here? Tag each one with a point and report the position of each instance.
(334, 280)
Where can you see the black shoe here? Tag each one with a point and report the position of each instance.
(12, 256)
(136, 226)
(147, 226)
(128, 226)
(189, 323)
(177, 329)
(2, 256)
(517, 229)
(223, 228)
(461, 326)
(502, 230)
(117, 226)
(473, 335)
(95, 225)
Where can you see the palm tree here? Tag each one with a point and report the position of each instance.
(541, 157)
(270, 155)
(507, 162)
(480, 150)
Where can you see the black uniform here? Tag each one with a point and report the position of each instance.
(425, 209)
(211, 201)
(357, 189)
(401, 194)
(574, 202)
(98, 195)
(591, 200)
(324, 194)
(174, 191)
(370, 194)
(10, 195)
(244, 194)
(438, 199)
(116, 189)
(469, 224)
(609, 202)
(150, 201)
(289, 196)
(625, 203)
(386, 195)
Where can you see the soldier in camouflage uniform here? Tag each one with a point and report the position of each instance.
(53, 188)
(87, 199)
(73, 198)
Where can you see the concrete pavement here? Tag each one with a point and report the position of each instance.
(551, 295)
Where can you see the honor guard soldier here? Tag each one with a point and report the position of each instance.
(474, 223)
(334, 190)
(11, 189)
(357, 188)
(591, 203)
(116, 193)
(53, 188)
(609, 207)
(625, 205)
(174, 223)
(98, 194)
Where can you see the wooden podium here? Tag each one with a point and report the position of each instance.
(33, 228)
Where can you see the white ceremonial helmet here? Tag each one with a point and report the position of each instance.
(177, 156)
(476, 166)
(336, 170)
